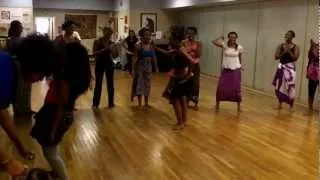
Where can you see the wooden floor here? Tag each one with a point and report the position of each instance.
(126, 143)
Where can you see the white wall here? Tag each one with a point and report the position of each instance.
(99, 5)
(16, 3)
(261, 27)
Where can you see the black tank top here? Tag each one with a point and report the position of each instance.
(286, 58)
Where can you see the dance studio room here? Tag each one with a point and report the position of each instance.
(159, 89)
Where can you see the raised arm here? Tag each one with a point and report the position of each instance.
(296, 53)
(219, 42)
(279, 52)
(163, 51)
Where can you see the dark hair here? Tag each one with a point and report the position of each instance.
(142, 31)
(76, 69)
(107, 29)
(292, 33)
(233, 33)
(37, 54)
(67, 24)
(14, 29)
(194, 29)
(38, 174)
(177, 35)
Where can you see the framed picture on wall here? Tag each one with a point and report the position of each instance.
(5, 15)
(149, 20)
(86, 25)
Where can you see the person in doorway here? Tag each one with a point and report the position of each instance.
(312, 72)
(144, 56)
(67, 36)
(22, 100)
(285, 76)
(193, 48)
(104, 49)
(129, 44)
(229, 86)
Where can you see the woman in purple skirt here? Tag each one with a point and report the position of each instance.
(312, 72)
(229, 87)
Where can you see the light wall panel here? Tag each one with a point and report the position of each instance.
(211, 26)
(243, 19)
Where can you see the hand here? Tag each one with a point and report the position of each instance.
(15, 168)
(27, 154)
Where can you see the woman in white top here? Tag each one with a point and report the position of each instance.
(229, 87)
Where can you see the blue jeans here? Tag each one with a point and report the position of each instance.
(55, 161)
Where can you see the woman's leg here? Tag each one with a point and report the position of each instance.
(55, 161)
(140, 100)
(184, 109)
(146, 101)
(312, 86)
(177, 110)
(239, 106)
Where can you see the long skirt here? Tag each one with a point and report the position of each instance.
(176, 88)
(193, 95)
(141, 85)
(229, 87)
(22, 99)
(284, 83)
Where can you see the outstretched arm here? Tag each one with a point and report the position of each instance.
(219, 42)
(6, 123)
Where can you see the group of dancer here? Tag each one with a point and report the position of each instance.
(65, 62)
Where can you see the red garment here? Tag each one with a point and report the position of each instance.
(52, 95)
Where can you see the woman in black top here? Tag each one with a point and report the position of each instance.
(285, 77)
(129, 44)
(180, 74)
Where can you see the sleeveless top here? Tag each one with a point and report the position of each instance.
(105, 56)
(131, 43)
(286, 58)
(313, 64)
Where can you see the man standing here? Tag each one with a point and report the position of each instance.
(104, 50)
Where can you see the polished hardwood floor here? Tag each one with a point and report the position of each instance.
(128, 143)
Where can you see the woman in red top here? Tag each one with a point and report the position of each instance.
(55, 117)
(193, 47)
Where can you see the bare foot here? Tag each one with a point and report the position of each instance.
(147, 106)
(177, 127)
(280, 106)
(196, 108)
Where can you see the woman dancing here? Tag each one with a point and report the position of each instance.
(229, 87)
(312, 72)
(144, 55)
(193, 48)
(180, 75)
(71, 78)
(285, 76)
(129, 44)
